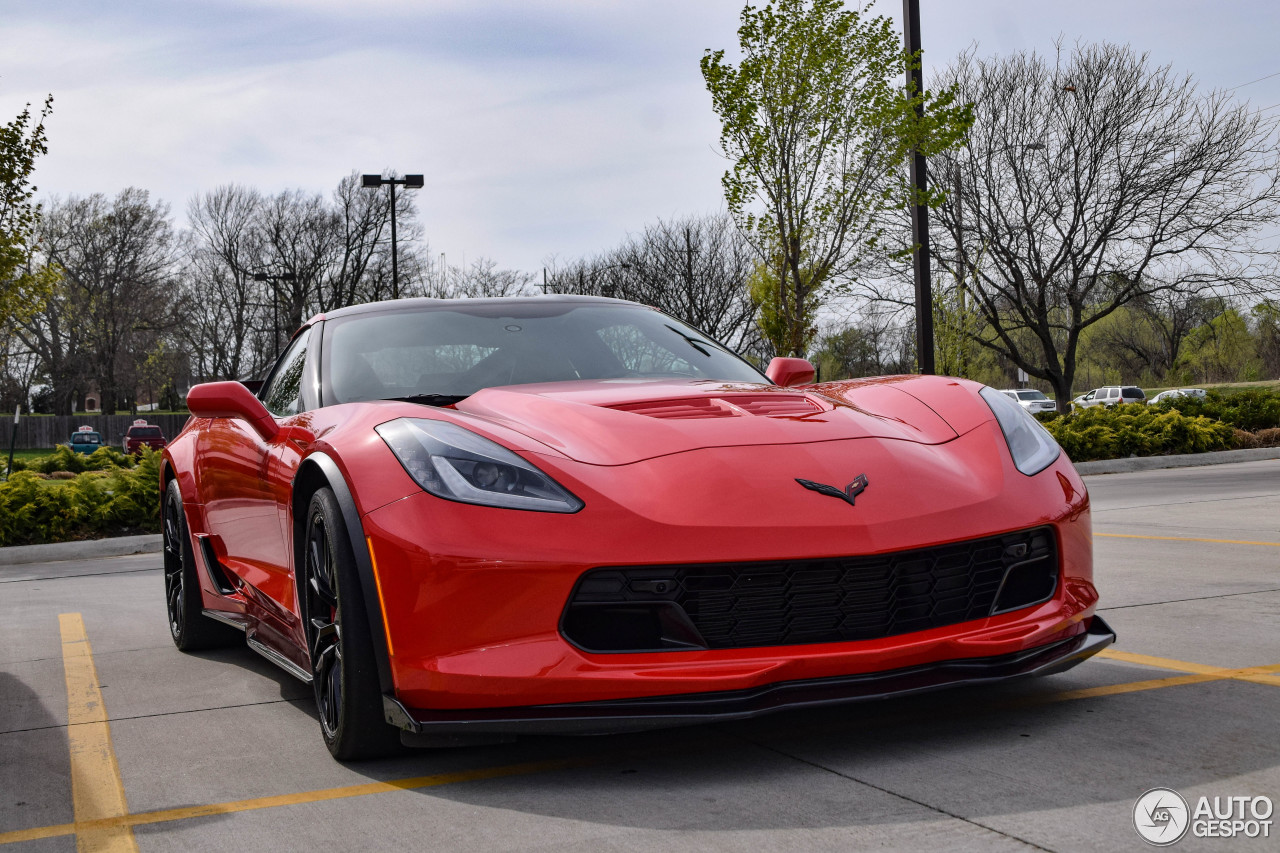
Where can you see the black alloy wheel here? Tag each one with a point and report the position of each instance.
(190, 628)
(325, 634)
(343, 668)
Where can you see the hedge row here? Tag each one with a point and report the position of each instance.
(1183, 425)
(1251, 410)
(110, 495)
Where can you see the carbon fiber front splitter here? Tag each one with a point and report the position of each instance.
(655, 712)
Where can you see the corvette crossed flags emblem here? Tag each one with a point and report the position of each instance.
(851, 491)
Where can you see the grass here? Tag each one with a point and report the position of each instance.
(1224, 387)
(25, 455)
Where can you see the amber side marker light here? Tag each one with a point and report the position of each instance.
(382, 604)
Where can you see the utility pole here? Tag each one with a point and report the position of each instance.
(13, 441)
(919, 209)
(960, 276)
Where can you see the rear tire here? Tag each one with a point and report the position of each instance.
(344, 670)
(190, 629)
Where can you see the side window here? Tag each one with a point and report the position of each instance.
(282, 395)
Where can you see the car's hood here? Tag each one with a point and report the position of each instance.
(621, 421)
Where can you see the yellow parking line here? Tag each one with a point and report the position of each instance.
(1159, 663)
(126, 822)
(1128, 687)
(1253, 674)
(97, 792)
(1188, 539)
(121, 823)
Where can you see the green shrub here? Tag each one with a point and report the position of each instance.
(110, 501)
(1250, 410)
(64, 458)
(1136, 430)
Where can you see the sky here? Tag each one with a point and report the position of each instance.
(546, 129)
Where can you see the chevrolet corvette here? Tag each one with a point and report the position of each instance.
(463, 520)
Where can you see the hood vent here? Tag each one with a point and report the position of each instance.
(728, 406)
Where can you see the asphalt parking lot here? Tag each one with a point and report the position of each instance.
(110, 739)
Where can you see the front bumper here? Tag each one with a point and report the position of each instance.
(657, 712)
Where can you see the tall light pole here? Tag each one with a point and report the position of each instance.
(409, 182)
(275, 303)
(920, 209)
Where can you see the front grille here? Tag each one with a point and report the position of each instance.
(742, 605)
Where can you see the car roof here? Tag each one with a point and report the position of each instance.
(428, 303)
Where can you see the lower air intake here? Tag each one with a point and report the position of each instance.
(744, 605)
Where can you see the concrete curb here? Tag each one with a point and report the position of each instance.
(123, 545)
(1185, 460)
(118, 546)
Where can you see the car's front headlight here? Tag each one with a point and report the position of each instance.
(1030, 444)
(456, 464)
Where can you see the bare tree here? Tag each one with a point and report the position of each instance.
(694, 268)
(1266, 317)
(221, 301)
(874, 345)
(1151, 330)
(1092, 180)
(360, 267)
(117, 261)
(300, 233)
(482, 279)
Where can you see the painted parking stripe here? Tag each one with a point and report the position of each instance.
(126, 822)
(1188, 539)
(1253, 674)
(97, 792)
(1195, 674)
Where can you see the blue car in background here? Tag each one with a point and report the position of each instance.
(85, 440)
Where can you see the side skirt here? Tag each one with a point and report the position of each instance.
(279, 660)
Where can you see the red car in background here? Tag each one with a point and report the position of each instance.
(142, 434)
(468, 519)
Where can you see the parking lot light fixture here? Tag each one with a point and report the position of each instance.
(412, 182)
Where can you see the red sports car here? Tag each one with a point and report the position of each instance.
(466, 519)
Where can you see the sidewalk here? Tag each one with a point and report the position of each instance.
(118, 546)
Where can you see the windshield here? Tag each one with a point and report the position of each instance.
(440, 355)
(1032, 395)
(86, 438)
(144, 432)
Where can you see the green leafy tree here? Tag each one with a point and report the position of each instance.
(818, 124)
(787, 322)
(1266, 316)
(21, 142)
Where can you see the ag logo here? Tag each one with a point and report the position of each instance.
(1161, 817)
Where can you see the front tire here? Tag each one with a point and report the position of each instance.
(344, 670)
(190, 629)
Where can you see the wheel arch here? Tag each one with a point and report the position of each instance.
(319, 471)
